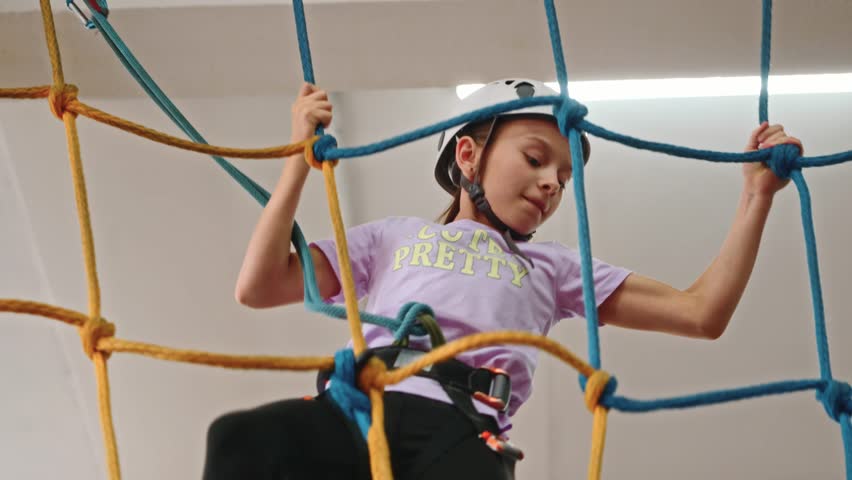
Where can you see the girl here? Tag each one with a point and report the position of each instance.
(479, 272)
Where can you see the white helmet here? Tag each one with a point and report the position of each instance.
(446, 171)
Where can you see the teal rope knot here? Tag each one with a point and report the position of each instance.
(836, 398)
(353, 402)
(407, 316)
(325, 143)
(783, 159)
(569, 113)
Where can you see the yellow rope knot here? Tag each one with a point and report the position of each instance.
(60, 97)
(310, 158)
(595, 386)
(370, 375)
(94, 330)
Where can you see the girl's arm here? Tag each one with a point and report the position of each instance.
(271, 274)
(704, 309)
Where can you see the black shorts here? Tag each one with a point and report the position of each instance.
(312, 439)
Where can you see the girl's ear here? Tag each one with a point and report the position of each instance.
(467, 156)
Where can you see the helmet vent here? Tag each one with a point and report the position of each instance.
(525, 90)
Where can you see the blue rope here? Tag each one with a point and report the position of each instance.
(813, 273)
(710, 398)
(765, 50)
(304, 47)
(475, 115)
(353, 402)
(846, 432)
(556, 46)
(304, 44)
(409, 313)
(674, 150)
(585, 246)
(826, 160)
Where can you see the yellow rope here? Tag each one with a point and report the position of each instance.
(595, 386)
(102, 341)
(380, 465)
(97, 334)
(359, 344)
(598, 441)
(41, 91)
(94, 326)
(70, 317)
(52, 44)
(478, 340)
(100, 361)
(65, 100)
(241, 362)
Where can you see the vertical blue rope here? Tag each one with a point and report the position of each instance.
(556, 46)
(813, 270)
(304, 44)
(765, 50)
(846, 432)
(304, 47)
(591, 310)
(577, 165)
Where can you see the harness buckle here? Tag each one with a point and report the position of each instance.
(502, 446)
(499, 388)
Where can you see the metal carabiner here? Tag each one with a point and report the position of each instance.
(80, 14)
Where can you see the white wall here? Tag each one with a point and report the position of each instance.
(170, 229)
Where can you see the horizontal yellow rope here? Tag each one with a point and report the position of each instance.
(245, 362)
(70, 317)
(41, 91)
(67, 102)
(166, 139)
(451, 349)
(110, 344)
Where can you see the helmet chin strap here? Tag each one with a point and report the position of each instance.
(477, 195)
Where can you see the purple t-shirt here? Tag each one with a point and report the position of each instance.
(474, 283)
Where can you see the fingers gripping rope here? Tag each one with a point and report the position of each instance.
(60, 97)
(92, 331)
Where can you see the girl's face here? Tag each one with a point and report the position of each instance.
(528, 163)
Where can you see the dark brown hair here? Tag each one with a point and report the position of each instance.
(479, 133)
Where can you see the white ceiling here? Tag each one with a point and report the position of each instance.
(251, 48)
(30, 5)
